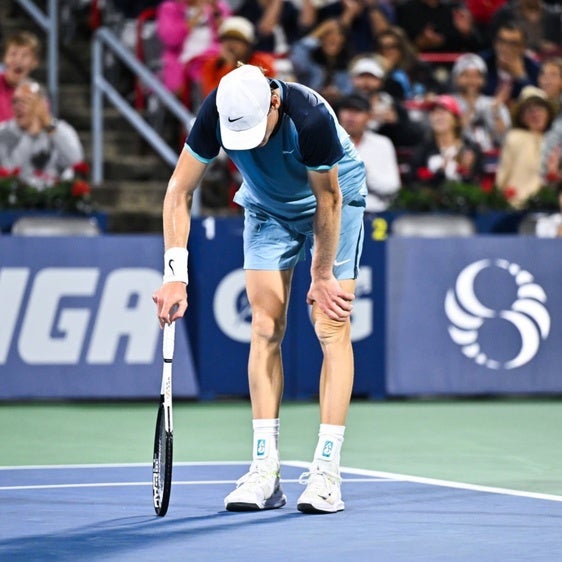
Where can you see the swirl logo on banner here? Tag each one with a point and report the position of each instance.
(468, 315)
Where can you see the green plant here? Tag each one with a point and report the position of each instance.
(451, 196)
(70, 193)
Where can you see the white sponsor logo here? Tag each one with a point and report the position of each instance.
(527, 314)
(233, 313)
(67, 314)
(231, 306)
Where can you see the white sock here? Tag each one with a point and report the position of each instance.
(266, 439)
(328, 450)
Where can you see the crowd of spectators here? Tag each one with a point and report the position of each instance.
(452, 91)
(456, 91)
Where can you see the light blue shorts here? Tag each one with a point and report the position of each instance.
(274, 244)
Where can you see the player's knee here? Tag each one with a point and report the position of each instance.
(330, 331)
(268, 328)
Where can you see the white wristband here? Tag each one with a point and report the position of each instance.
(175, 265)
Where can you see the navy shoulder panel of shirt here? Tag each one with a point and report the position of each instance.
(319, 143)
(203, 139)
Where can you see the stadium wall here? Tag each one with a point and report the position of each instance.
(446, 316)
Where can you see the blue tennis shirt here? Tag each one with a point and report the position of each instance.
(275, 178)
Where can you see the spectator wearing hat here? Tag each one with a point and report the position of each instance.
(237, 38)
(519, 169)
(188, 32)
(445, 155)
(376, 151)
(485, 119)
(389, 117)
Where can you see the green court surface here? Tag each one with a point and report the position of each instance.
(507, 443)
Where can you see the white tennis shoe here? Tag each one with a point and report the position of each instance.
(258, 489)
(322, 494)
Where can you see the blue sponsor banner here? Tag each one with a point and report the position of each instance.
(469, 316)
(219, 317)
(218, 313)
(78, 319)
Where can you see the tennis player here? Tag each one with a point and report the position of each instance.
(302, 179)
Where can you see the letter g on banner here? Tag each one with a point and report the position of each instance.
(467, 314)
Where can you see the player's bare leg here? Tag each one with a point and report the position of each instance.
(323, 494)
(268, 293)
(336, 377)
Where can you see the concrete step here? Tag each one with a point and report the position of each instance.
(130, 196)
(127, 167)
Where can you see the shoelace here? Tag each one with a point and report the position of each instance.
(319, 480)
(256, 475)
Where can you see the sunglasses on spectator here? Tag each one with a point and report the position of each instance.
(389, 46)
(509, 42)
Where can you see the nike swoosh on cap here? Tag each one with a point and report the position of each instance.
(236, 119)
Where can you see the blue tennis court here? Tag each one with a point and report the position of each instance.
(104, 512)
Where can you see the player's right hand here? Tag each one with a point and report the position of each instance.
(171, 302)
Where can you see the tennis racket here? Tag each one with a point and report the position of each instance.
(164, 436)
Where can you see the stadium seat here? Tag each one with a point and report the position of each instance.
(543, 225)
(432, 225)
(56, 226)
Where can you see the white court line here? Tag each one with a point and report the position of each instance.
(174, 482)
(386, 476)
(118, 465)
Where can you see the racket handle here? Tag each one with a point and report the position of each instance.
(168, 341)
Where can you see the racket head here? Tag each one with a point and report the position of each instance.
(162, 464)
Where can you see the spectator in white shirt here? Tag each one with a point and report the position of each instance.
(376, 151)
(485, 119)
(40, 147)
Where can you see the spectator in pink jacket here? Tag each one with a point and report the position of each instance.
(20, 58)
(188, 32)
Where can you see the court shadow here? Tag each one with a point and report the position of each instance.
(118, 538)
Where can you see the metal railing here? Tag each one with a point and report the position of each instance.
(48, 22)
(106, 39)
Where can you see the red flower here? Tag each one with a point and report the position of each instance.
(487, 184)
(80, 188)
(81, 168)
(510, 192)
(462, 170)
(5, 173)
(424, 174)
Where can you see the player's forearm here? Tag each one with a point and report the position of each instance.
(177, 202)
(176, 216)
(326, 235)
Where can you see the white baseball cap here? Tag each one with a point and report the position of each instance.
(243, 102)
(237, 27)
(469, 61)
(367, 65)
